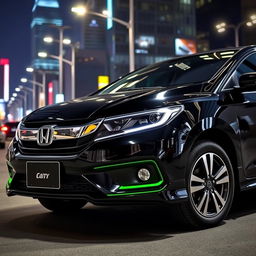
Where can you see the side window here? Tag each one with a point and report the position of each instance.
(248, 65)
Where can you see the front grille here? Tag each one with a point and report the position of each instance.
(58, 147)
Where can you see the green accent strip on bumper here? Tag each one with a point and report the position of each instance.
(136, 193)
(156, 184)
(9, 182)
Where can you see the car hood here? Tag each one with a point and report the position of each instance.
(97, 106)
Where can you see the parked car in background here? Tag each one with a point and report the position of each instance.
(9, 129)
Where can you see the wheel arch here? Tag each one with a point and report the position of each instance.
(224, 136)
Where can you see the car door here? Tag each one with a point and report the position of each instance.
(243, 109)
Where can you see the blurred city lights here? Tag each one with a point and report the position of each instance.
(105, 12)
(24, 80)
(42, 54)
(221, 27)
(48, 39)
(29, 69)
(66, 41)
(79, 10)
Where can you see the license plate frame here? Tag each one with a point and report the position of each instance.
(56, 184)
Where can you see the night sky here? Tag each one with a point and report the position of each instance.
(15, 34)
(15, 18)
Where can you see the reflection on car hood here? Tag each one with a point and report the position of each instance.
(97, 106)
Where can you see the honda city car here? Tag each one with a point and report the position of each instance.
(179, 132)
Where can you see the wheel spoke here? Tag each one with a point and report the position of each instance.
(219, 197)
(215, 202)
(196, 188)
(221, 171)
(208, 167)
(196, 179)
(199, 207)
(206, 204)
(223, 180)
(211, 163)
(209, 184)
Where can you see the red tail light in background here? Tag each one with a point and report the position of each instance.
(4, 128)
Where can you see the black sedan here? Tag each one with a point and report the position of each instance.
(180, 132)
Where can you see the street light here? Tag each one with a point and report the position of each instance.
(41, 85)
(24, 97)
(61, 37)
(49, 40)
(30, 69)
(42, 54)
(25, 80)
(73, 47)
(81, 11)
(222, 27)
(41, 72)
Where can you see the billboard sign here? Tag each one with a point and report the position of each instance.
(184, 46)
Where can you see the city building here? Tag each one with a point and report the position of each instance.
(44, 14)
(163, 29)
(211, 12)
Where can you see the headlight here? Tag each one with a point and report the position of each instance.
(135, 122)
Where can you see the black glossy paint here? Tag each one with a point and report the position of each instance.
(211, 112)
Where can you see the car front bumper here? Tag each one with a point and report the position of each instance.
(108, 180)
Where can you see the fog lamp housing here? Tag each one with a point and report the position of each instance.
(144, 174)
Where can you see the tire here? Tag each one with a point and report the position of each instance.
(210, 197)
(62, 206)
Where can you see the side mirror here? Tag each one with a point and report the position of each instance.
(247, 81)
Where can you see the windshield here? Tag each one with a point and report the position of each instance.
(191, 69)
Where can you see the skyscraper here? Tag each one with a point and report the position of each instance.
(163, 29)
(45, 14)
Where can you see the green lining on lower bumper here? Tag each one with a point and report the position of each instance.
(136, 193)
(150, 185)
(9, 183)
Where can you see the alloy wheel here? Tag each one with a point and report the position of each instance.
(209, 185)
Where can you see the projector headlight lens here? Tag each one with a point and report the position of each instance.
(135, 122)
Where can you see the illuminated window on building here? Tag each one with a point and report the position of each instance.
(185, 1)
(146, 6)
(165, 18)
(164, 7)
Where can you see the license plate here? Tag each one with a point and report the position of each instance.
(13, 129)
(43, 175)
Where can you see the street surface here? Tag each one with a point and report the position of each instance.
(26, 229)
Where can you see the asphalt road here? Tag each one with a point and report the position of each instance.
(26, 229)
